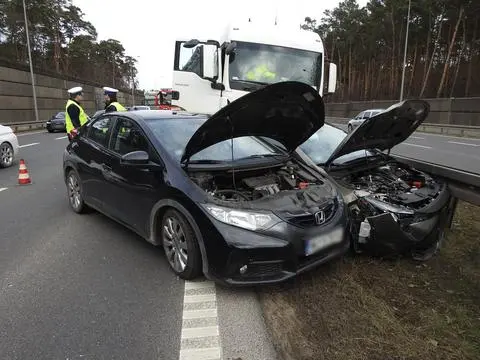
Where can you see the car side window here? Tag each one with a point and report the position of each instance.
(128, 137)
(359, 116)
(99, 131)
(367, 115)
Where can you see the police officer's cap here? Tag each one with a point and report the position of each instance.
(77, 90)
(109, 91)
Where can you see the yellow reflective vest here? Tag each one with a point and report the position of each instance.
(118, 106)
(82, 116)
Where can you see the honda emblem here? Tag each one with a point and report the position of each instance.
(319, 217)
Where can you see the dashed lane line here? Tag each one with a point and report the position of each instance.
(200, 337)
(3, 189)
(61, 137)
(463, 143)
(27, 145)
(416, 137)
(421, 146)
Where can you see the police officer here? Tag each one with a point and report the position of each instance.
(111, 103)
(75, 116)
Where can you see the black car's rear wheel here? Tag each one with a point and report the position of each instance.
(74, 189)
(180, 245)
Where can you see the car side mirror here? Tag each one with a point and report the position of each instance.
(135, 158)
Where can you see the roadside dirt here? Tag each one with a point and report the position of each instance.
(358, 308)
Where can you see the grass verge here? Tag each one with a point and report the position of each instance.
(359, 308)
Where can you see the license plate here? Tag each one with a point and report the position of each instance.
(323, 241)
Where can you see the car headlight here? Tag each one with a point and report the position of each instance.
(251, 220)
(382, 205)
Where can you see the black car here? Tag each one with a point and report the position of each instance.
(214, 195)
(97, 114)
(56, 122)
(395, 209)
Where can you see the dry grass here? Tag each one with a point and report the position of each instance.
(359, 308)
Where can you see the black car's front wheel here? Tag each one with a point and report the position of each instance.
(74, 189)
(180, 245)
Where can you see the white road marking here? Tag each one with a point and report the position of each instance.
(200, 339)
(422, 146)
(27, 145)
(462, 143)
(61, 137)
(30, 133)
(3, 189)
(417, 137)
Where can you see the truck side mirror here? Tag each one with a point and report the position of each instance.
(332, 78)
(210, 66)
(230, 48)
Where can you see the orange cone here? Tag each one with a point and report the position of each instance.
(23, 176)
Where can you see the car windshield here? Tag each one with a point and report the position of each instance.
(174, 135)
(60, 114)
(320, 146)
(257, 64)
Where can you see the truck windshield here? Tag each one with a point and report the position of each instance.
(255, 65)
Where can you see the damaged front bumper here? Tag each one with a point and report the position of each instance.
(286, 250)
(389, 234)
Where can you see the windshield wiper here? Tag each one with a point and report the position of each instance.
(206, 161)
(260, 156)
(258, 84)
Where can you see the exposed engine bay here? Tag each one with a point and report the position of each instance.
(248, 185)
(395, 184)
(285, 187)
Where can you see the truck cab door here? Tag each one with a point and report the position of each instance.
(195, 75)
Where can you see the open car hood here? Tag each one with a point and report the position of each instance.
(288, 112)
(384, 130)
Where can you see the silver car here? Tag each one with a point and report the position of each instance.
(360, 118)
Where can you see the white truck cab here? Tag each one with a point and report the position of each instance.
(210, 73)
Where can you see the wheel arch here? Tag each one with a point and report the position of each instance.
(184, 206)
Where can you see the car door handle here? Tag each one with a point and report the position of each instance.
(106, 167)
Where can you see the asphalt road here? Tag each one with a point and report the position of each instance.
(83, 287)
(455, 152)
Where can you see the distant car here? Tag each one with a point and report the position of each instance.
(8, 146)
(138, 107)
(360, 118)
(56, 122)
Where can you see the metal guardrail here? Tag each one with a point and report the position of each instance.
(444, 129)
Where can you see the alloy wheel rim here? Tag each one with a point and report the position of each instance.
(175, 244)
(74, 191)
(6, 155)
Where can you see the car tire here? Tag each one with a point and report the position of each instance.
(74, 191)
(180, 245)
(6, 155)
(350, 128)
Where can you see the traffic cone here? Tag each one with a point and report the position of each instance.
(23, 176)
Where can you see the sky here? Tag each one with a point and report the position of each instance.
(148, 28)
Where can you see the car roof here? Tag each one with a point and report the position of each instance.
(160, 114)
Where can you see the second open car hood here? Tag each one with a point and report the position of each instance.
(384, 130)
(288, 112)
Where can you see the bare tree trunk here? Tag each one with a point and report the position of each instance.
(412, 72)
(470, 62)
(392, 70)
(427, 47)
(452, 42)
(349, 71)
(435, 46)
(460, 56)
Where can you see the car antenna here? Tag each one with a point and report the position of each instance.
(231, 146)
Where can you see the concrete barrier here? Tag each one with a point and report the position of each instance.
(16, 99)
